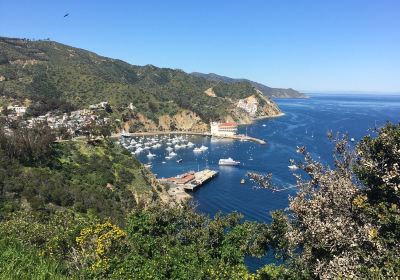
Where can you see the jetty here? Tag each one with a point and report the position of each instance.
(240, 137)
(189, 180)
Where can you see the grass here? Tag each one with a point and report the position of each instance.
(18, 261)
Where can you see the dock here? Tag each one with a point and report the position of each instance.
(190, 180)
(240, 137)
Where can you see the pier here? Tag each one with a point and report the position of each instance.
(207, 134)
(190, 180)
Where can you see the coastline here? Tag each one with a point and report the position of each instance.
(281, 114)
(206, 134)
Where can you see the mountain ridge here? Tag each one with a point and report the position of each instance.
(43, 69)
(266, 90)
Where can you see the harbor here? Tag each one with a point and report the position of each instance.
(189, 180)
(239, 137)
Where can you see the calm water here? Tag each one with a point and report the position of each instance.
(306, 122)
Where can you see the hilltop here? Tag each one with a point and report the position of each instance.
(143, 97)
(266, 90)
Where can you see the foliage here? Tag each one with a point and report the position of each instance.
(61, 77)
(39, 174)
(339, 227)
(20, 262)
(29, 145)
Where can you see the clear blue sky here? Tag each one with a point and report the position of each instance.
(304, 44)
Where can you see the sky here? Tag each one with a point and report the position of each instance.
(309, 45)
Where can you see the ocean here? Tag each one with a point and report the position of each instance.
(305, 123)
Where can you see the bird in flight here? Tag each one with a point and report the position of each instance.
(67, 14)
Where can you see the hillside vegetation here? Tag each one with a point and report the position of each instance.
(266, 90)
(69, 211)
(46, 70)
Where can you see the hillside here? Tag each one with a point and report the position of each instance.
(39, 71)
(267, 91)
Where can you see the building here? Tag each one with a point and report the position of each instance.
(223, 129)
(20, 110)
(101, 105)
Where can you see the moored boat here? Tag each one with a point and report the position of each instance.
(228, 161)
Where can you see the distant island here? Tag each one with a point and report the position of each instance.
(266, 90)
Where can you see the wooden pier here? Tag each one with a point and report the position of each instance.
(190, 180)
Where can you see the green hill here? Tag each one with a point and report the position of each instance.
(43, 69)
(266, 90)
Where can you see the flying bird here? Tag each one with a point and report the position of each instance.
(67, 14)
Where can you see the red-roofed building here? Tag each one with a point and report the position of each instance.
(223, 129)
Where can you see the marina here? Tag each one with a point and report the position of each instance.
(240, 137)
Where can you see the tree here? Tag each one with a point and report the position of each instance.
(344, 222)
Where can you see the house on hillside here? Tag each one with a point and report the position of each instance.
(101, 105)
(19, 110)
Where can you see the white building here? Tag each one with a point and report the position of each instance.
(101, 105)
(20, 110)
(223, 129)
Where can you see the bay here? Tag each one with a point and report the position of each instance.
(305, 123)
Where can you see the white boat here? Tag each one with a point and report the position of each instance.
(352, 139)
(190, 144)
(293, 167)
(203, 148)
(163, 162)
(169, 149)
(172, 154)
(228, 161)
(168, 157)
(138, 151)
(150, 155)
(147, 165)
(264, 125)
(197, 150)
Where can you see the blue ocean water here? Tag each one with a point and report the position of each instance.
(305, 123)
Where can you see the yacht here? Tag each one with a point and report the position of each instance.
(293, 167)
(179, 160)
(228, 161)
(150, 155)
(139, 150)
(172, 154)
(203, 148)
(168, 157)
(190, 144)
(197, 150)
